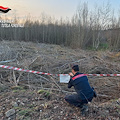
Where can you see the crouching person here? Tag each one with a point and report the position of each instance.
(84, 93)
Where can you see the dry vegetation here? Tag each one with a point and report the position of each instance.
(40, 97)
(27, 96)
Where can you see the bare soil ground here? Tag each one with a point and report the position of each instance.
(40, 97)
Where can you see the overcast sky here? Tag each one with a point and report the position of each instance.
(56, 8)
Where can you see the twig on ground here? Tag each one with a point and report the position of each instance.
(55, 83)
(16, 80)
(7, 61)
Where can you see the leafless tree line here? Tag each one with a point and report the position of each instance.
(98, 28)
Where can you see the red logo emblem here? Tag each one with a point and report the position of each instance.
(4, 9)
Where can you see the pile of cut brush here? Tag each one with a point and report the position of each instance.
(32, 96)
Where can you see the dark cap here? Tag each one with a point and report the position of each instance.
(75, 68)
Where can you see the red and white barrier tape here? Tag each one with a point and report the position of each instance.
(104, 75)
(30, 71)
(42, 73)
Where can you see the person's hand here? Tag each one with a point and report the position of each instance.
(71, 74)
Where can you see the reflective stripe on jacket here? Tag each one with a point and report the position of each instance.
(81, 86)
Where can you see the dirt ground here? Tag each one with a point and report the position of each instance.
(41, 97)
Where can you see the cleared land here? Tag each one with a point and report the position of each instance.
(40, 97)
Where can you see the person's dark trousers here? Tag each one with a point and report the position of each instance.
(74, 99)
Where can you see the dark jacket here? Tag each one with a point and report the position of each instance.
(82, 86)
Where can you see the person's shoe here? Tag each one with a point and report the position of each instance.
(84, 110)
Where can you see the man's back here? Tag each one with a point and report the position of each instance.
(81, 85)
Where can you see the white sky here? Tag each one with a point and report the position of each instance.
(56, 8)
